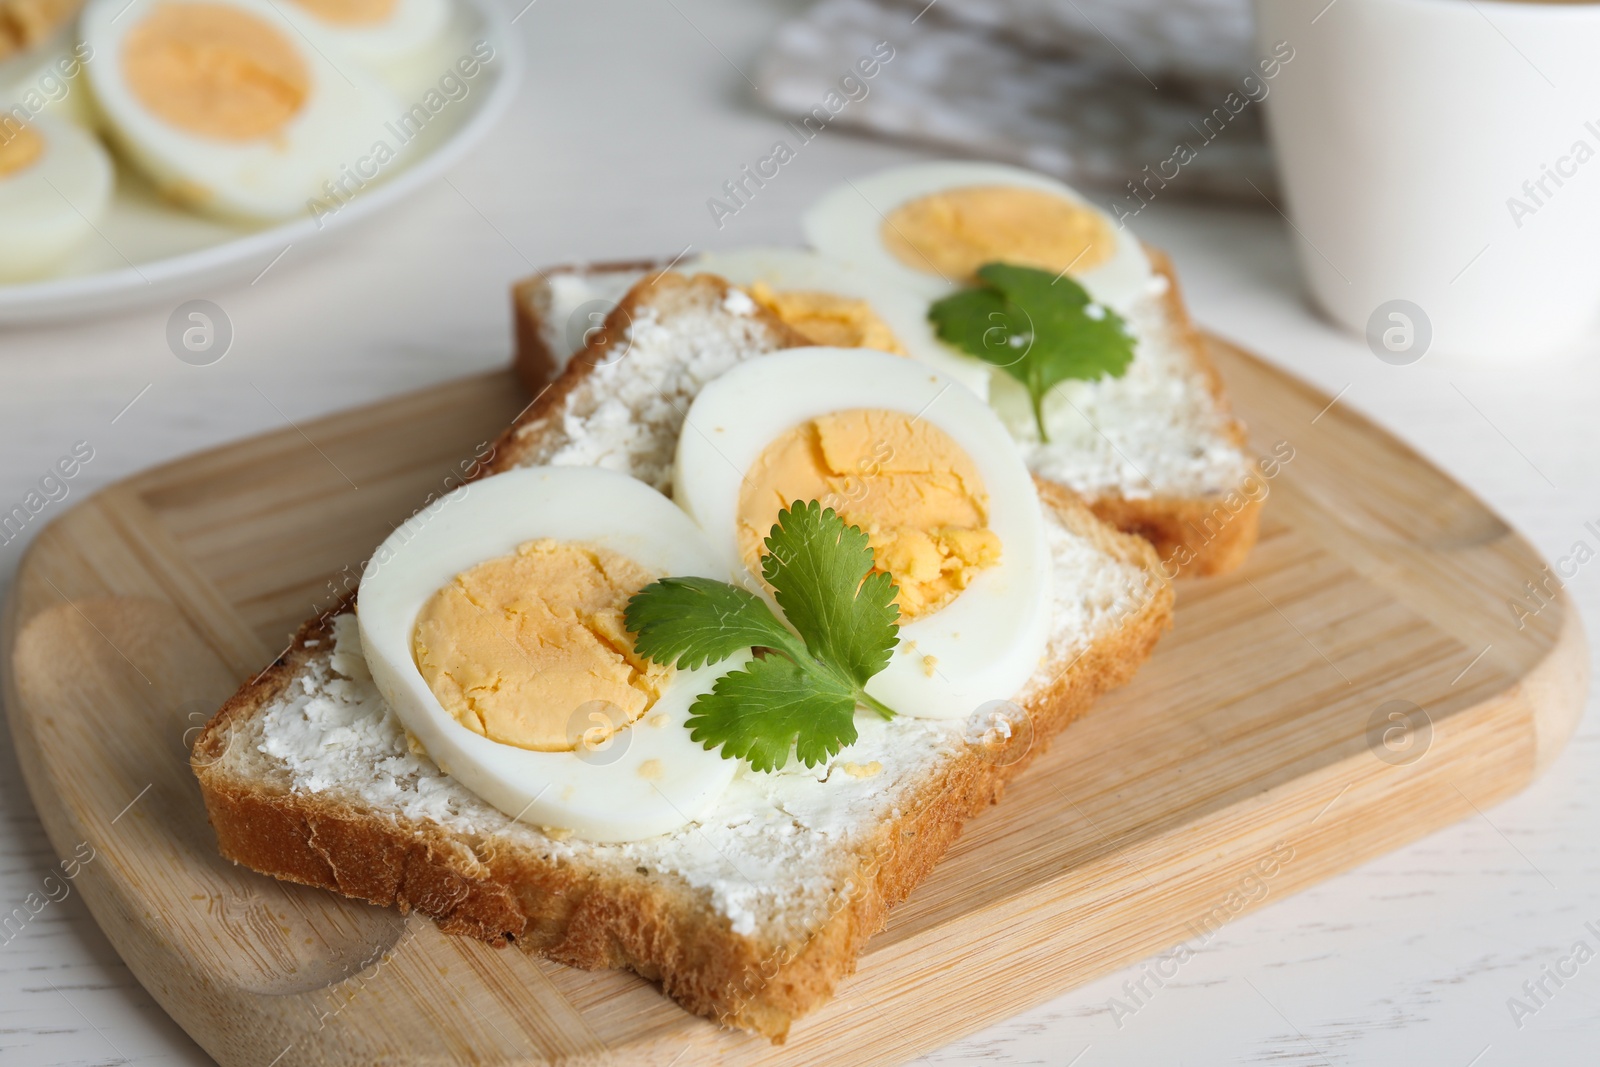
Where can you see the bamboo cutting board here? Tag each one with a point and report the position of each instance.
(1361, 682)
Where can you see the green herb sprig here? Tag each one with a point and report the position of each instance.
(1041, 329)
(802, 693)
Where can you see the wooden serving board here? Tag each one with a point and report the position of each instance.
(1254, 748)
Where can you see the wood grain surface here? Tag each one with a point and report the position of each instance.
(1256, 751)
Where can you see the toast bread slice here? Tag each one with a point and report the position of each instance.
(1195, 532)
(753, 914)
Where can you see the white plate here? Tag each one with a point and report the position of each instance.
(151, 250)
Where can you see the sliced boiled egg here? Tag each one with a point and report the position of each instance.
(55, 182)
(832, 303)
(492, 624)
(233, 107)
(932, 225)
(924, 467)
(387, 36)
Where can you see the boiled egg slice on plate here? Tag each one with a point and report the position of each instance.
(55, 182)
(924, 467)
(930, 226)
(391, 37)
(832, 303)
(234, 107)
(492, 625)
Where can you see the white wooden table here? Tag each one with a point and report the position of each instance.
(631, 117)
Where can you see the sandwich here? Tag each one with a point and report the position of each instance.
(706, 671)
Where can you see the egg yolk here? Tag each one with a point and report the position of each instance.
(349, 12)
(530, 649)
(915, 493)
(954, 232)
(20, 148)
(828, 319)
(215, 71)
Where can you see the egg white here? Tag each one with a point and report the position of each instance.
(265, 178)
(602, 799)
(987, 641)
(905, 312)
(406, 49)
(52, 206)
(845, 225)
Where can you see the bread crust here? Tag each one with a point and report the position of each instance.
(1199, 535)
(650, 923)
(1193, 536)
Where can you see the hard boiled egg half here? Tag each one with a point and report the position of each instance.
(833, 303)
(235, 107)
(492, 624)
(930, 226)
(55, 182)
(924, 467)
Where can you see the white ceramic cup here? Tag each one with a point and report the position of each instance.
(1441, 165)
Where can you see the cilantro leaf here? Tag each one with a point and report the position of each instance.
(758, 712)
(1041, 329)
(803, 695)
(689, 622)
(821, 574)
